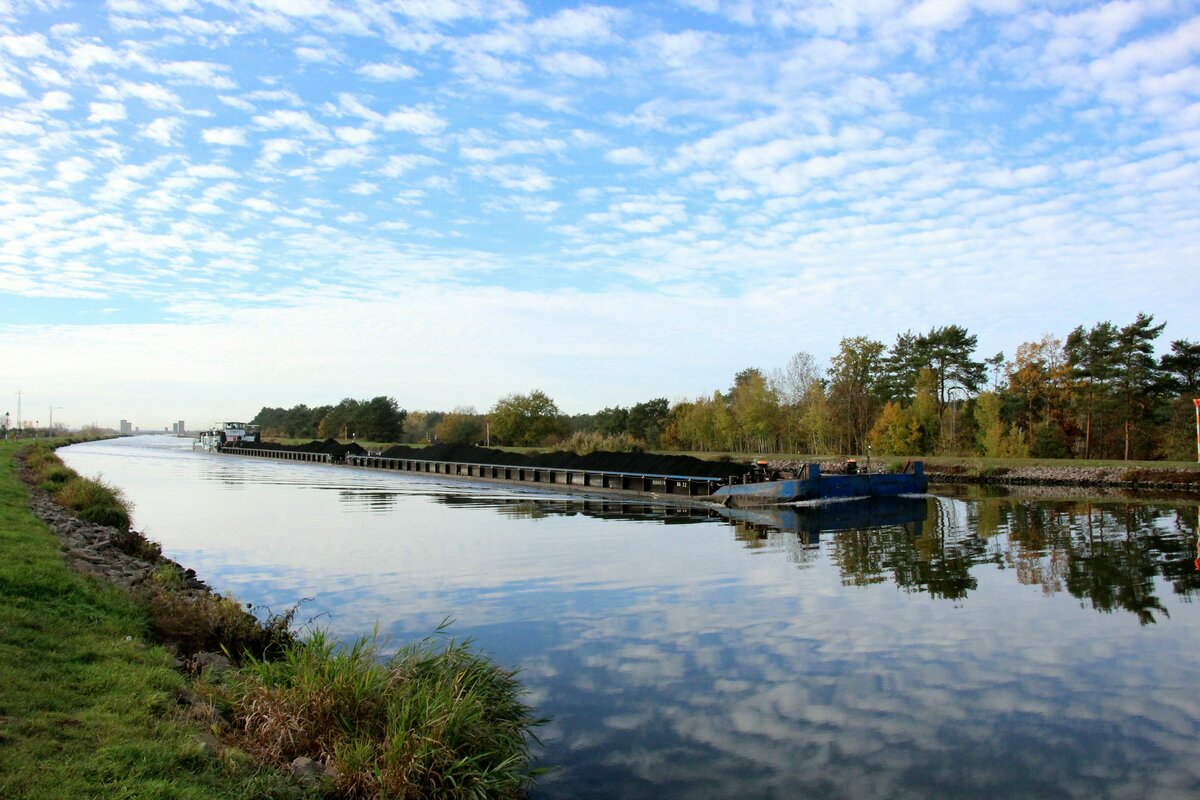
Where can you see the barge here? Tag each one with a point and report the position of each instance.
(227, 433)
(756, 486)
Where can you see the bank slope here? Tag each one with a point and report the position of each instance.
(87, 707)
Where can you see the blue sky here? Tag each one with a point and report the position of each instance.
(209, 206)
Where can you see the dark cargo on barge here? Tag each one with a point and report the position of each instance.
(681, 478)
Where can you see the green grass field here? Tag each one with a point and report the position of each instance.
(87, 708)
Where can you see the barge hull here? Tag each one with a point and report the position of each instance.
(812, 485)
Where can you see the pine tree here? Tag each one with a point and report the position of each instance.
(1136, 375)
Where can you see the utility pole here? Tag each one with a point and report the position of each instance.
(20, 424)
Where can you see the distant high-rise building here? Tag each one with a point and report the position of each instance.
(126, 427)
(182, 429)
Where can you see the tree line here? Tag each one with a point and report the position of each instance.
(1101, 393)
(379, 419)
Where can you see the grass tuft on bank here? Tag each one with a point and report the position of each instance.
(434, 720)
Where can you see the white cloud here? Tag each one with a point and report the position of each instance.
(575, 65)
(106, 112)
(275, 149)
(354, 136)
(261, 205)
(55, 101)
(47, 76)
(1014, 178)
(629, 156)
(512, 147)
(85, 56)
(452, 10)
(10, 87)
(162, 131)
(74, 169)
(211, 171)
(227, 137)
(387, 72)
(585, 24)
(399, 165)
(202, 73)
(939, 14)
(316, 55)
(519, 178)
(341, 157)
(297, 120)
(363, 188)
(32, 45)
(419, 120)
(152, 94)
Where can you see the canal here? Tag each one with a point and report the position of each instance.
(960, 645)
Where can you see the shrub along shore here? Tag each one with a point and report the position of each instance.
(94, 700)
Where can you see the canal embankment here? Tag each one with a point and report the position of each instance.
(98, 628)
(1066, 475)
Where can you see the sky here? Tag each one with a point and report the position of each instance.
(210, 206)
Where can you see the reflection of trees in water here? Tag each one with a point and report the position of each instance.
(1117, 571)
(1108, 556)
(801, 548)
(938, 562)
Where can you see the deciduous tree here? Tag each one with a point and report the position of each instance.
(525, 420)
(854, 375)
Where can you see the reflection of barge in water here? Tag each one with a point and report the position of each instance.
(755, 488)
(808, 520)
(805, 520)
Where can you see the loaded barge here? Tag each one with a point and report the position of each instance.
(754, 486)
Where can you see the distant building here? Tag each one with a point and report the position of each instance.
(126, 427)
(180, 428)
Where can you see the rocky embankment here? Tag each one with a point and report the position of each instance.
(127, 560)
(1176, 480)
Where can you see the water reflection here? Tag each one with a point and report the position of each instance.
(950, 647)
(369, 500)
(1105, 553)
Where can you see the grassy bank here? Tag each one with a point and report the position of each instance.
(88, 708)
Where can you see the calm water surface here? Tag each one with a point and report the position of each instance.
(976, 647)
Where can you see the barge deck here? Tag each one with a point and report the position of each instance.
(739, 491)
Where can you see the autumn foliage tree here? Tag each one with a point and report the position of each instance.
(526, 420)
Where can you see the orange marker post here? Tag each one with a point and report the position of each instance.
(1197, 402)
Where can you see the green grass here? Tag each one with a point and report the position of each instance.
(87, 708)
(435, 720)
(89, 499)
